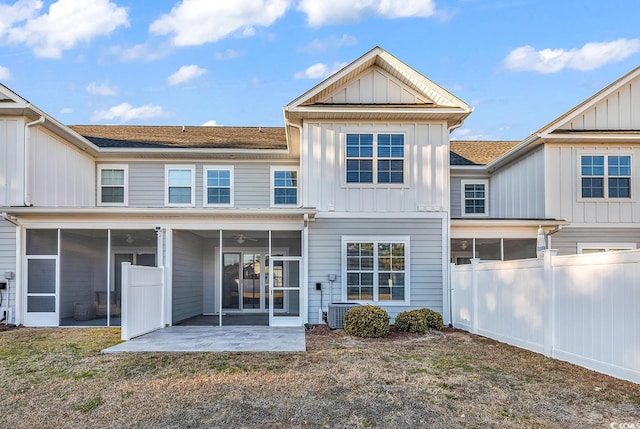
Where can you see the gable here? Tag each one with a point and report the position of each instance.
(376, 86)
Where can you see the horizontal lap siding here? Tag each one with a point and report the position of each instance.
(566, 241)
(8, 259)
(425, 264)
(187, 279)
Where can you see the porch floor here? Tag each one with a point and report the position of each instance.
(217, 339)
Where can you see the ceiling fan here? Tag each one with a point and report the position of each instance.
(241, 238)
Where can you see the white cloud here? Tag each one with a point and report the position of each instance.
(211, 123)
(318, 46)
(66, 110)
(100, 89)
(185, 74)
(67, 23)
(228, 54)
(195, 22)
(319, 70)
(140, 51)
(5, 74)
(125, 112)
(589, 57)
(19, 11)
(326, 12)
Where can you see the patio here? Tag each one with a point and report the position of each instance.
(217, 339)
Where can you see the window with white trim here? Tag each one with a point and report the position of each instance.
(284, 186)
(112, 185)
(605, 176)
(475, 200)
(375, 158)
(604, 247)
(180, 185)
(375, 269)
(218, 185)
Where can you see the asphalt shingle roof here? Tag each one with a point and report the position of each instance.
(472, 152)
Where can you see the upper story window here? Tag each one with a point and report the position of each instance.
(284, 186)
(605, 176)
(180, 185)
(112, 185)
(218, 185)
(375, 158)
(376, 269)
(475, 197)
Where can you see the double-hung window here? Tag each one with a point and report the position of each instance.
(218, 185)
(605, 176)
(475, 197)
(375, 158)
(376, 269)
(284, 186)
(112, 185)
(180, 185)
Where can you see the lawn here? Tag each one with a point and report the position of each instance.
(59, 378)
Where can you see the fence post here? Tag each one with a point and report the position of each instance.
(124, 302)
(474, 299)
(549, 302)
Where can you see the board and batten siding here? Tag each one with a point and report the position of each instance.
(11, 162)
(8, 263)
(187, 276)
(566, 240)
(517, 191)
(59, 173)
(426, 169)
(563, 186)
(252, 183)
(425, 259)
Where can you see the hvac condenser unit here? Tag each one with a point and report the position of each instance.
(335, 315)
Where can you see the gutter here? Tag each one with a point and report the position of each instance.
(12, 219)
(27, 135)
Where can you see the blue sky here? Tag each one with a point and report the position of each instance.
(519, 63)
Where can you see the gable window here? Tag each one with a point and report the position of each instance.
(475, 197)
(112, 186)
(605, 176)
(180, 185)
(375, 158)
(375, 269)
(218, 185)
(284, 186)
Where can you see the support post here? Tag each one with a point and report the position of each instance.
(474, 285)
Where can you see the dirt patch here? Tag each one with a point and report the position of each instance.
(57, 377)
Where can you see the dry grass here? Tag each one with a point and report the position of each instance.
(58, 378)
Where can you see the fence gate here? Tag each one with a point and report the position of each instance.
(142, 300)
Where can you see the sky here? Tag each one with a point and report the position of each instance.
(519, 63)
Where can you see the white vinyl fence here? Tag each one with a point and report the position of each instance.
(584, 309)
(142, 300)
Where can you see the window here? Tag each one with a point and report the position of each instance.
(284, 186)
(112, 185)
(474, 197)
(218, 185)
(375, 158)
(605, 176)
(179, 185)
(604, 247)
(375, 269)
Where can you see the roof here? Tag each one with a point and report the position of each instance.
(472, 152)
(135, 136)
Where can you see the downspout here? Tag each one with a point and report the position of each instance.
(25, 182)
(449, 292)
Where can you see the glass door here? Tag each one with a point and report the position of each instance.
(231, 289)
(285, 280)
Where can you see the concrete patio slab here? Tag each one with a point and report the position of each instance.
(217, 339)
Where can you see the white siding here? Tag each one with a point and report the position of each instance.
(60, 175)
(455, 189)
(376, 86)
(620, 110)
(325, 253)
(8, 263)
(517, 191)
(11, 162)
(323, 170)
(563, 186)
(187, 279)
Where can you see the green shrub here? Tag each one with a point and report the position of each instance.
(366, 321)
(418, 321)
